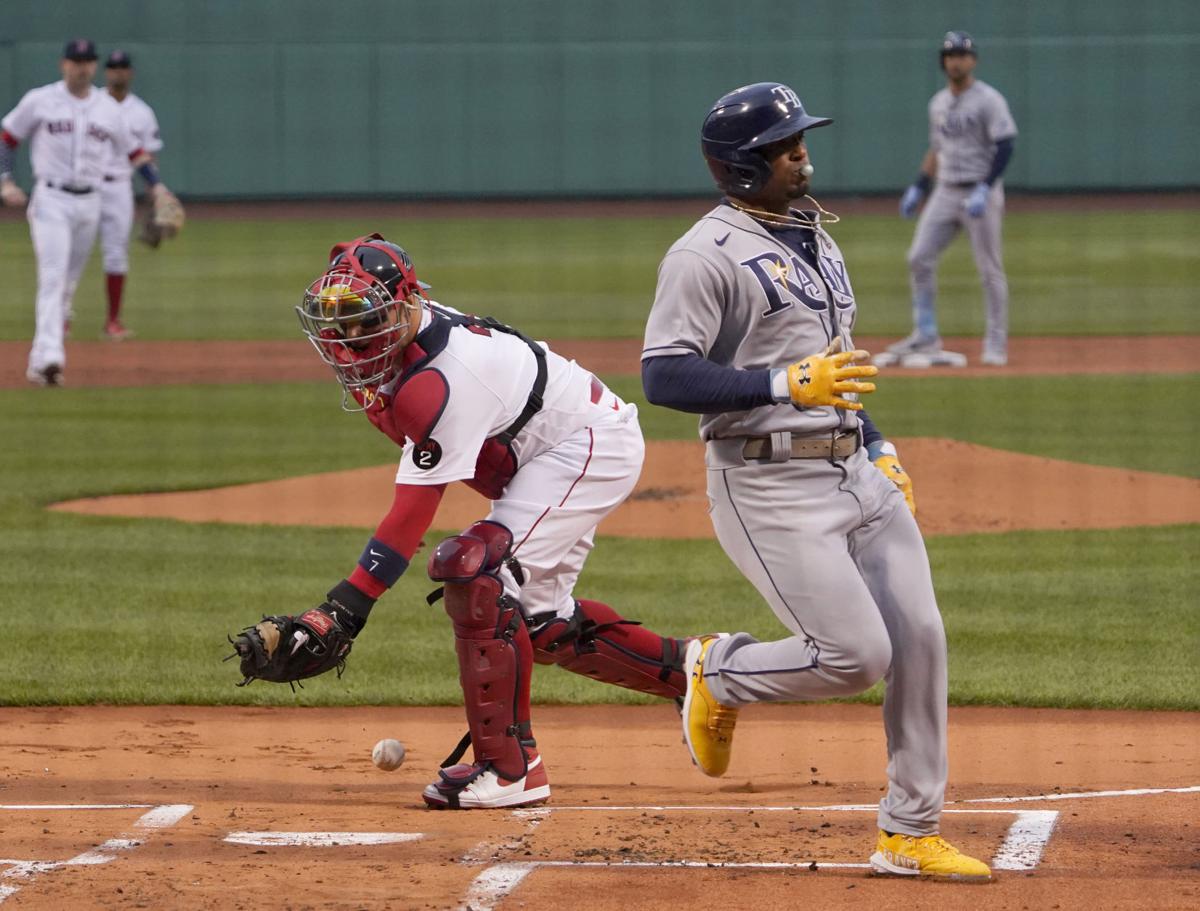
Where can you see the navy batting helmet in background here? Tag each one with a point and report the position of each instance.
(742, 122)
(957, 43)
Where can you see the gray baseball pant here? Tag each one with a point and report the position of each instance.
(940, 221)
(833, 549)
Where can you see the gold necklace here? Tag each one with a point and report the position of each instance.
(799, 220)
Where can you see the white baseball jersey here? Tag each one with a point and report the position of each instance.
(488, 377)
(144, 126)
(964, 130)
(71, 139)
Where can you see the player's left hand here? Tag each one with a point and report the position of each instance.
(286, 649)
(168, 211)
(12, 195)
(889, 464)
(976, 203)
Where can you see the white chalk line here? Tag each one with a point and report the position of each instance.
(498, 880)
(1083, 795)
(74, 806)
(321, 839)
(159, 817)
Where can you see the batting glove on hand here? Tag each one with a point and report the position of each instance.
(889, 464)
(910, 200)
(976, 203)
(822, 379)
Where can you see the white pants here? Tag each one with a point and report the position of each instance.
(555, 501)
(116, 221)
(63, 227)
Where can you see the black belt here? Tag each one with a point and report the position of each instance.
(108, 178)
(963, 184)
(69, 188)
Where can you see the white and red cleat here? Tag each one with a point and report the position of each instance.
(475, 787)
(115, 332)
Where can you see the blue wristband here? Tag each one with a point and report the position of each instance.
(382, 562)
(149, 173)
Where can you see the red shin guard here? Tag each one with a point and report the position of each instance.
(596, 642)
(495, 656)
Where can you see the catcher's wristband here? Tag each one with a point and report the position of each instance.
(345, 599)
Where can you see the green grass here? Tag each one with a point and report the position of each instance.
(135, 611)
(1070, 273)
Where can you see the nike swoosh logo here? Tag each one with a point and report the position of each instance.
(375, 553)
(721, 242)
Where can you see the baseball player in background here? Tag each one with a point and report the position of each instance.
(971, 134)
(750, 328)
(73, 129)
(116, 192)
(555, 450)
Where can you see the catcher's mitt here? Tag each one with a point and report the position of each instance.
(287, 649)
(165, 218)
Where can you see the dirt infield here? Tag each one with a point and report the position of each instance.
(1010, 491)
(147, 801)
(141, 363)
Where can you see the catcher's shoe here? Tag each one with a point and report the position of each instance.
(707, 725)
(480, 787)
(930, 856)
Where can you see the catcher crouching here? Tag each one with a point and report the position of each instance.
(470, 399)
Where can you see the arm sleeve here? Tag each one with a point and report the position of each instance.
(396, 538)
(691, 383)
(688, 304)
(8, 148)
(1004, 150)
(871, 433)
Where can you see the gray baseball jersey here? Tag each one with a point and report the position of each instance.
(733, 293)
(964, 130)
(828, 543)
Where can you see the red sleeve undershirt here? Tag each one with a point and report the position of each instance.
(407, 521)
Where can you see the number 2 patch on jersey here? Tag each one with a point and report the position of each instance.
(426, 455)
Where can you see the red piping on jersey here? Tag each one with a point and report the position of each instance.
(9, 139)
(591, 445)
(135, 153)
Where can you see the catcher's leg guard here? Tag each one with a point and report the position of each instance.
(495, 659)
(596, 642)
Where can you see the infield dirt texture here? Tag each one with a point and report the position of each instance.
(1060, 497)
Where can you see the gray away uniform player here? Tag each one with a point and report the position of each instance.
(751, 328)
(971, 135)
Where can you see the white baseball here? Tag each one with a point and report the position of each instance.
(388, 754)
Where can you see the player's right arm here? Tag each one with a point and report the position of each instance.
(919, 188)
(17, 125)
(387, 554)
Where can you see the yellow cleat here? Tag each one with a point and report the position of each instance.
(930, 856)
(707, 725)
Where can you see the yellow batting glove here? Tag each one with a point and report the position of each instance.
(894, 472)
(822, 379)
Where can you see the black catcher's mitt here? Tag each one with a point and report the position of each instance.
(287, 649)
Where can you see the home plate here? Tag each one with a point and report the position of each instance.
(320, 839)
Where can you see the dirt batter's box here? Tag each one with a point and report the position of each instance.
(16, 872)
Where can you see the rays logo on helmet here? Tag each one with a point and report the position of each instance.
(787, 96)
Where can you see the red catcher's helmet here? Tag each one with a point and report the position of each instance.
(358, 313)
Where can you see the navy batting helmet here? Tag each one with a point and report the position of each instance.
(744, 121)
(957, 43)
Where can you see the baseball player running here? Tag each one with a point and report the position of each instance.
(554, 449)
(750, 328)
(116, 192)
(971, 135)
(73, 129)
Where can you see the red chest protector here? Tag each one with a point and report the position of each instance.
(412, 409)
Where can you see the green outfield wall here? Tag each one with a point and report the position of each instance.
(272, 98)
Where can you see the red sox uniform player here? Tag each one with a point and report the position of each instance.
(116, 192)
(73, 128)
(549, 444)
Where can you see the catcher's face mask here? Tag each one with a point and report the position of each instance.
(357, 327)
